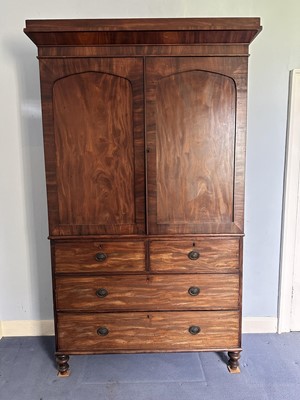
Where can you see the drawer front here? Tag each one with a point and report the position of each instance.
(99, 257)
(155, 331)
(201, 255)
(151, 292)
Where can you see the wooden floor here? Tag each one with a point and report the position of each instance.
(270, 370)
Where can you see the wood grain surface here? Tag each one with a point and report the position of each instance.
(195, 125)
(148, 292)
(80, 257)
(142, 24)
(215, 255)
(142, 31)
(234, 50)
(146, 331)
(94, 145)
(95, 155)
(195, 117)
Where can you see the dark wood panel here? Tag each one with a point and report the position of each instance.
(148, 292)
(95, 159)
(142, 24)
(215, 255)
(143, 31)
(146, 331)
(171, 50)
(142, 38)
(192, 144)
(80, 257)
(95, 155)
(195, 120)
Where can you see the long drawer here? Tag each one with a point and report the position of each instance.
(148, 292)
(98, 257)
(192, 256)
(155, 331)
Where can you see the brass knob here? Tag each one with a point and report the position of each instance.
(102, 331)
(194, 291)
(194, 329)
(100, 257)
(193, 255)
(101, 292)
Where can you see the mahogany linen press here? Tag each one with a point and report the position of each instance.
(144, 124)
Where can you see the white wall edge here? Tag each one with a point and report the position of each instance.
(290, 207)
(1, 329)
(46, 327)
(259, 325)
(27, 328)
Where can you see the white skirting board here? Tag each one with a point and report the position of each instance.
(259, 325)
(27, 328)
(46, 327)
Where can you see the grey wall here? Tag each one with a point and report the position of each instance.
(25, 281)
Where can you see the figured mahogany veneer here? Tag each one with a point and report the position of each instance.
(215, 255)
(94, 159)
(198, 130)
(148, 292)
(139, 331)
(81, 257)
(144, 124)
(85, 97)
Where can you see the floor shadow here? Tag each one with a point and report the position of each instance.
(222, 356)
(47, 343)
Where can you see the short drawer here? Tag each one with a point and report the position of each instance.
(193, 256)
(99, 257)
(151, 292)
(155, 331)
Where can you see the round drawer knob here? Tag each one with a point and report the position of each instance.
(194, 291)
(193, 255)
(100, 257)
(102, 331)
(101, 292)
(194, 329)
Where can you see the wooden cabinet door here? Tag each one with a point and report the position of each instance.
(94, 145)
(195, 130)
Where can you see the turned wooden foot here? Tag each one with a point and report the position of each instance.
(233, 363)
(63, 366)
